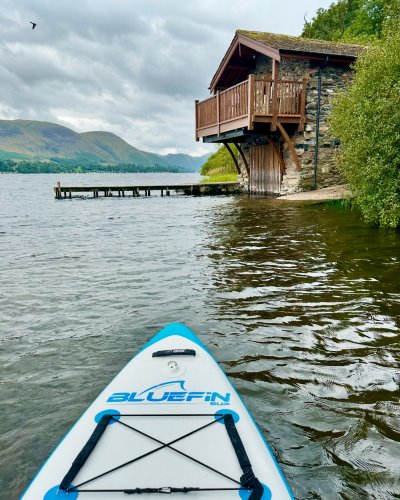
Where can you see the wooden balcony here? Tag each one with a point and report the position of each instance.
(256, 100)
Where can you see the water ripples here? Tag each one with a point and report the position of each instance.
(300, 304)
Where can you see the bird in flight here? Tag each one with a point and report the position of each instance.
(33, 25)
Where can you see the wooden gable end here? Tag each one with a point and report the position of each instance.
(239, 61)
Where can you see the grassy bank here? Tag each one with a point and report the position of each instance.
(220, 178)
(220, 167)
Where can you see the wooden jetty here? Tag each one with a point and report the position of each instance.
(194, 189)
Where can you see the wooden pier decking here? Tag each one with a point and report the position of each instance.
(194, 189)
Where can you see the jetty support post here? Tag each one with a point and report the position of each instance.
(58, 190)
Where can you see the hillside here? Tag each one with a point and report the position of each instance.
(219, 167)
(44, 141)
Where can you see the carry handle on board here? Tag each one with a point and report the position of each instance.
(174, 352)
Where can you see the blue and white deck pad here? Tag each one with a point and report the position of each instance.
(171, 409)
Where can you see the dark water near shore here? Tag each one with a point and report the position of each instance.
(300, 304)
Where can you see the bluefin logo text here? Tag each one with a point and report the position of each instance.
(155, 395)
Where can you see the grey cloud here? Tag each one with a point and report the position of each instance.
(133, 67)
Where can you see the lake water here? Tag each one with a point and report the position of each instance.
(300, 304)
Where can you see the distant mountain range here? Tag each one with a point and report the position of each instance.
(44, 141)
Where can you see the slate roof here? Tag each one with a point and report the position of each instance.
(299, 44)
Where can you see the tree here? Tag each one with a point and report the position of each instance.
(350, 21)
(367, 121)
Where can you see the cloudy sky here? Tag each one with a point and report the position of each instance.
(132, 67)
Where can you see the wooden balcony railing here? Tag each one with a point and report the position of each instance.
(257, 99)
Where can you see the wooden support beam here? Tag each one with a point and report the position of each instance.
(233, 156)
(290, 146)
(246, 165)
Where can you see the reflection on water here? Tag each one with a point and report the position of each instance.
(300, 304)
(312, 300)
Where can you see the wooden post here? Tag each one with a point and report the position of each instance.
(250, 102)
(246, 164)
(275, 71)
(218, 111)
(196, 118)
(70, 195)
(303, 105)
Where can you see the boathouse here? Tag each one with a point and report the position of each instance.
(271, 97)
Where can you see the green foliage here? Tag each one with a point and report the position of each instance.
(220, 166)
(367, 120)
(71, 166)
(359, 21)
(221, 178)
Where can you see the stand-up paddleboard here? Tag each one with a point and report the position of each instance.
(169, 423)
